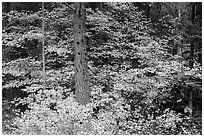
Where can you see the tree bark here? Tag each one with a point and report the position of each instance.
(193, 13)
(148, 10)
(191, 103)
(80, 47)
(179, 11)
(191, 62)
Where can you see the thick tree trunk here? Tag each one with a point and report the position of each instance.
(80, 47)
(191, 63)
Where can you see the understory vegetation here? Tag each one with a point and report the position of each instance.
(140, 72)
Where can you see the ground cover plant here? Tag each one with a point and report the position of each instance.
(139, 71)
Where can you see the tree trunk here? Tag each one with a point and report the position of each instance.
(193, 13)
(80, 47)
(148, 10)
(191, 62)
(179, 11)
(191, 103)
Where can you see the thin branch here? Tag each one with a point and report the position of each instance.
(71, 8)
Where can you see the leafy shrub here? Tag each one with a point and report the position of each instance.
(32, 19)
(52, 116)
